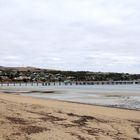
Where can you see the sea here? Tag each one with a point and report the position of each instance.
(119, 96)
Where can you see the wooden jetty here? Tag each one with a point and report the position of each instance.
(75, 83)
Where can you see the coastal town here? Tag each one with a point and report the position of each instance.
(30, 74)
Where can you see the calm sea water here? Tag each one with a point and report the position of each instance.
(123, 96)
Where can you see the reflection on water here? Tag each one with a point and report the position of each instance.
(124, 96)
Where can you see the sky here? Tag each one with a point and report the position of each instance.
(93, 35)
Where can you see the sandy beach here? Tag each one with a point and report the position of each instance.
(28, 118)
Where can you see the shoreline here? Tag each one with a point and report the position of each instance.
(106, 106)
(115, 97)
(49, 92)
(38, 119)
(42, 101)
(59, 100)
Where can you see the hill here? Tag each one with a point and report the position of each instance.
(33, 74)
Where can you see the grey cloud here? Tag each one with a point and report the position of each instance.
(99, 35)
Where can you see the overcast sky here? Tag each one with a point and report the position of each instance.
(95, 35)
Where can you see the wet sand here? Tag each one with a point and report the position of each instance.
(28, 118)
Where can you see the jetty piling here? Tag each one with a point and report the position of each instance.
(76, 83)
